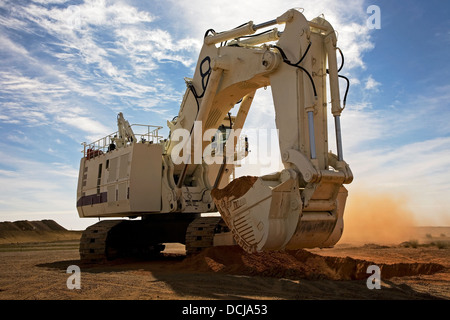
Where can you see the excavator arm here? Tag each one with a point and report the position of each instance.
(301, 206)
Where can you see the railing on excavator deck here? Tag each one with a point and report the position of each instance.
(149, 134)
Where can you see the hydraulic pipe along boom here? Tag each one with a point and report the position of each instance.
(312, 138)
(337, 124)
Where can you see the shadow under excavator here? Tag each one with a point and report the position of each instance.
(168, 268)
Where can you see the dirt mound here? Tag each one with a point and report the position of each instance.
(8, 226)
(34, 231)
(53, 225)
(296, 264)
(24, 225)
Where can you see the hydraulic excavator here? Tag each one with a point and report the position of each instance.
(175, 186)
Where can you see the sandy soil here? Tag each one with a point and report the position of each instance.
(38, 271)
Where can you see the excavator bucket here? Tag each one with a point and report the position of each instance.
(251, 209)
(265, 213)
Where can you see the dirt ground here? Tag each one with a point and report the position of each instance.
(38, 271)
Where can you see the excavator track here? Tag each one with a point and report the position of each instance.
(93, 243)
(97, 245)
(200, 233)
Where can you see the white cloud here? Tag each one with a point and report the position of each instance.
(89, 13)
(349, 19)
(38, 188)
(372, 84)
(12, 46)
(79, 44)
(14, 82)
(57, 76)
(360, 128)
(148, 48)
(50, 1)
(84, 123)
(31, 186)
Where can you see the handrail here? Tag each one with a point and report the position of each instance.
(148, 135)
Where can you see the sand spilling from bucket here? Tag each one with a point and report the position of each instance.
(236, 188)
(296, 264)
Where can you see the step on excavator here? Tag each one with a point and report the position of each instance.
(182, 188)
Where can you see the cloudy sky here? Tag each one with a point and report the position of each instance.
(68, 67)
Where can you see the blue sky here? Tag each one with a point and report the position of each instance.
(68, 67)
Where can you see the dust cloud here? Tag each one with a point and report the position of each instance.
(376, 218)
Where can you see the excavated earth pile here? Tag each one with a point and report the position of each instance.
(34, 231)
(296, 264)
